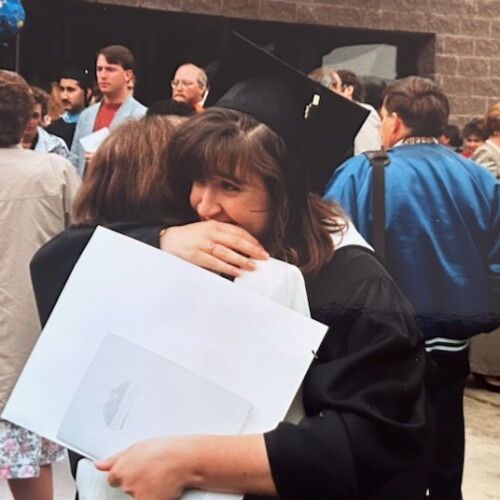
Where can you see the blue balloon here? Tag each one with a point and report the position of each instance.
(12, 18)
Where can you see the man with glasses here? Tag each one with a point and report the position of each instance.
(190, 85)
(328, 77)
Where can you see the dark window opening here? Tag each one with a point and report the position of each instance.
(61, 31)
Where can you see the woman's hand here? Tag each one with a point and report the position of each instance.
(150, 469)
(162, 468)
(217, 246)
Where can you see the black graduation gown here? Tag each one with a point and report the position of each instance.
(62, 129)
(369, 430)
(368, 433)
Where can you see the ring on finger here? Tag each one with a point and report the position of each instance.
(210, 247)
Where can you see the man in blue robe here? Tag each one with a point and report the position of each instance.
(442, 246)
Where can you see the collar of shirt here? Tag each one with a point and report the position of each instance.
(70, 117)
(416, 140)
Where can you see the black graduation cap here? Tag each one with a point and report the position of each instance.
(318, 125)
(77, 73)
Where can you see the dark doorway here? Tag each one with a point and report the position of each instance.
(62, 31)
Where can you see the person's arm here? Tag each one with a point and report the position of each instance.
(218, 246)
(162, 468)
(54, 261)
(75, 152)
(366, 428)
(61, 149)
(69, 184)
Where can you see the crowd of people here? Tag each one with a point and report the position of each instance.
(226, 174)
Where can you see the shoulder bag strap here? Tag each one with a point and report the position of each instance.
(378, 160)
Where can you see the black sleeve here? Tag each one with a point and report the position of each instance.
(53, 263)
(368, 430)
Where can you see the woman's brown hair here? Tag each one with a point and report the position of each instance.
(230, 143)
(16, 107)
(127, 179)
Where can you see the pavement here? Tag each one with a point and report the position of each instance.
(482, 444)
(482, 454)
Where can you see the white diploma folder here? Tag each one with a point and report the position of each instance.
(92, 141)
(141, 343)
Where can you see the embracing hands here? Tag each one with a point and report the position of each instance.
(218, 246)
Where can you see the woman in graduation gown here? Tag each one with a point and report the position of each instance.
(368, 429)
(367, 432)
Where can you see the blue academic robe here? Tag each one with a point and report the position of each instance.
(442, 228)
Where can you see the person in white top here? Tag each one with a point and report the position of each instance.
(488, 154)
(347, 84)
(36, 191)
(368, 137)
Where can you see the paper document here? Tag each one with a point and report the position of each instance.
(141, 342)
(91, 142)
(107, 410)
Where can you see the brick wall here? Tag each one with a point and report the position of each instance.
(464, 58)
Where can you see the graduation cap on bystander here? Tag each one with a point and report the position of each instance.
(82, 76)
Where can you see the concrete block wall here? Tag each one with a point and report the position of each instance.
(464, 58)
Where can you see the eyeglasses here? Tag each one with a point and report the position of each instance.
(181, 83)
